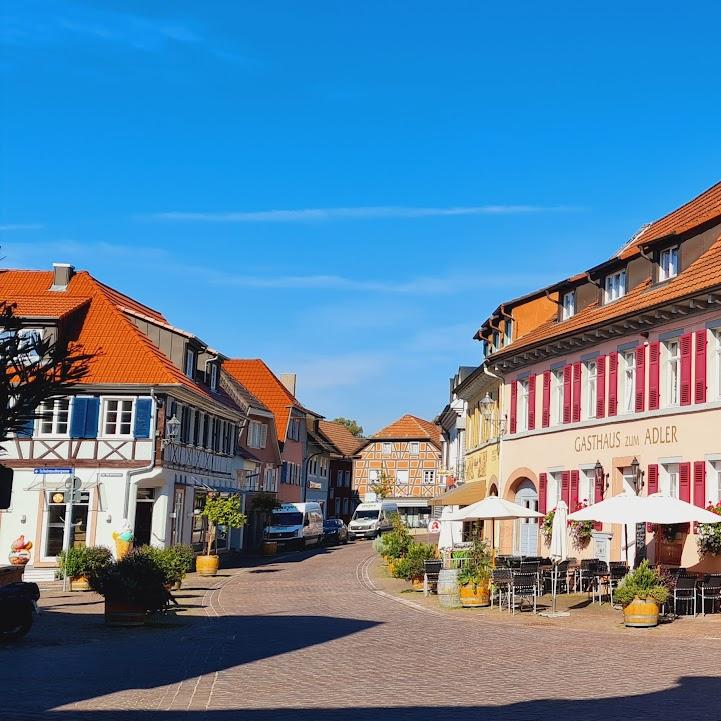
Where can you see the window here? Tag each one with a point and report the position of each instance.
(213, 376)
(429, 477)
(118, 417)
(587, 486)
(522, 416)
(402, 477)
(671, 373)
(294, 429)
(568, 306)
(615, 286)
(269, 479)
(668, 264)
(414, 448)
(53, 419)
(628, 380)
(713, 483)
(509, 332)
(588, 398)
(190, 363)
(557, 397)
(668, 480)
(56, 520)
(387, 449)
(346, 478)
(553, 490)
(496, 340)
(346, 506)
(257, 434)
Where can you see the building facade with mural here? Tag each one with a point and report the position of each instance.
(612, 381)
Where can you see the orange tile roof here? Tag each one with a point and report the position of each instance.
(340, 437)
(702, 209)
(122, 353)
(260, 380)
(703, 274)
(39, 306)
(409, 426)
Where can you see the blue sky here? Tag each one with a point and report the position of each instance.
(347, 189)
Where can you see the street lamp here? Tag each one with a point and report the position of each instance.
(636, 475)
(601, 477)
(488, 406)
(172, 431)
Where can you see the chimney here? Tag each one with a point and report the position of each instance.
(62, 273)
(288, 380)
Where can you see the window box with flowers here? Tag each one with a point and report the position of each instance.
(580, 532)
(709, 534)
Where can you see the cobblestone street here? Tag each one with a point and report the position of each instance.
(311, 636)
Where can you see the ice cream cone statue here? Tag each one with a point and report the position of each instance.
(123, 540)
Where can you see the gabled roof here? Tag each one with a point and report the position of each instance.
(410, 427)
(346, 443)
(123, 355)
(39, 306)
(260, 380)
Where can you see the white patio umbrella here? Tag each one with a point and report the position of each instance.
(628, 509)
(451, 531)
(558, 552)
(493, 508)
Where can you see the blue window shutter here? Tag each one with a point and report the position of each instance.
(26, 430)
(77, 419)
(91, 417)
(143, 409)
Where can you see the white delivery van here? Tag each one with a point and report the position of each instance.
(296, 524)
(372, 519)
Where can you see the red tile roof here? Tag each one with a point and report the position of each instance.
(412, 427)
(260, 380)
(39, 306)
(340, 437)
(122, 353)
(703, 274)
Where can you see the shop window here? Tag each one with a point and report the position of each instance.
(59, 524)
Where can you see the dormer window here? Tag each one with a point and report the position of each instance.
(190, 363)
(213, 377)
(568, 305)
(615, 286)
(496, 340)
(508, 339)
(668, 264)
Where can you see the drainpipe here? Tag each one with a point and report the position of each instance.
(130, 481)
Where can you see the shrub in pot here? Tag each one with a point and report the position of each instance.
(132, 586)
(474, 576)
(411, 567)
(79, 562)
(394, 545)
(173, 561)
(641, 593)
(220, 511)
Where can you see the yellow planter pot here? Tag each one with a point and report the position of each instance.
(641, 613)
(475, 597)
(417, 583)
(79, 583)
(207, 565)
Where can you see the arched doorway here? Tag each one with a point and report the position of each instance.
(526, 535)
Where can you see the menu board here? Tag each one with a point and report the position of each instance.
(640, 542)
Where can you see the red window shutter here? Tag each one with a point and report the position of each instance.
(566, 487)
(601, 386)
(684, 482)
(700, 383)
(542, 492)
(546, 400)
(612, 384)
(685, 345)
(531, 402)
(654, 368)
(652, 479)
(699, 483)
(577, 391)
(514, 404)
(640, 379)
(573, 493)
(567, 375)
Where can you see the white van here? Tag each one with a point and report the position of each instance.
(296, 524)
(371, 519)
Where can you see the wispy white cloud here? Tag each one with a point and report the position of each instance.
(21, 226)
(324, 373)
(358, 213)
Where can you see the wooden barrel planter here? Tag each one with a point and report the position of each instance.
(207, 565)
(123, 613)
(270, 548)
(79, 583)
(448, 588)
(475, 597)
(641, 613)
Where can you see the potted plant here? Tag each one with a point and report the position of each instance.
(641, 593)
(411, 567)
(547, 526)
(132, 586)
(79, 562)
(265, 503)
(709, 534)
(173, 561)
(220, 511)
(394, 545)
(474, 576)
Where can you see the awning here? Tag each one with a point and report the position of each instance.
(461, 496)
(51, 484)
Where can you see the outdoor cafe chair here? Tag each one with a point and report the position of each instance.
(710, 590)
(684, 592)
(546, 585)
(430, 576)
(618, 571)
(501, 580)
(524, 587)
(587, 574)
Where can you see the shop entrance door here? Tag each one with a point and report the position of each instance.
(144, 516)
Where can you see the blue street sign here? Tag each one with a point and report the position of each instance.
(65, 471)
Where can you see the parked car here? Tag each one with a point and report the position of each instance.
(335, 531)
(296, 524)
